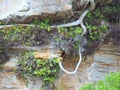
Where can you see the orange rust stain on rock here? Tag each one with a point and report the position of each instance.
(42, 55)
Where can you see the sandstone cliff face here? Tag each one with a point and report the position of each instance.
(20, 10)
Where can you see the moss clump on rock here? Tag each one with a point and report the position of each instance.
(46, 69)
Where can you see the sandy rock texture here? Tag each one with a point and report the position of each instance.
(26, 10)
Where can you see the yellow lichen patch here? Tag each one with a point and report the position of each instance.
(47, 55)
(42, 55)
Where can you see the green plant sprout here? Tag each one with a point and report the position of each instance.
(95, 32)
(111, 82)
(47, 69)
(43, 24)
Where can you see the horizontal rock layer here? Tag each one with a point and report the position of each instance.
(26, 10)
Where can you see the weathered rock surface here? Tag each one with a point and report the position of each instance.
(11, 64)
(22, 10)
(10, 81)
(103, 63)
(106, 60)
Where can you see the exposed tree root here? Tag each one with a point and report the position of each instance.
(79, 21)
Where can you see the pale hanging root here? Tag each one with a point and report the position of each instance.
(72, 72)
(80, 56)
(79, 21)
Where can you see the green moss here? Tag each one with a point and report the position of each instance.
(108, 13)
(96, 32)
(111, 82)
(43, 24)
(2, 23)
(14, 32)
(47, 69)
(70, 34)
(111, 14)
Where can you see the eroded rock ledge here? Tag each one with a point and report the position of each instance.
(27, 10)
